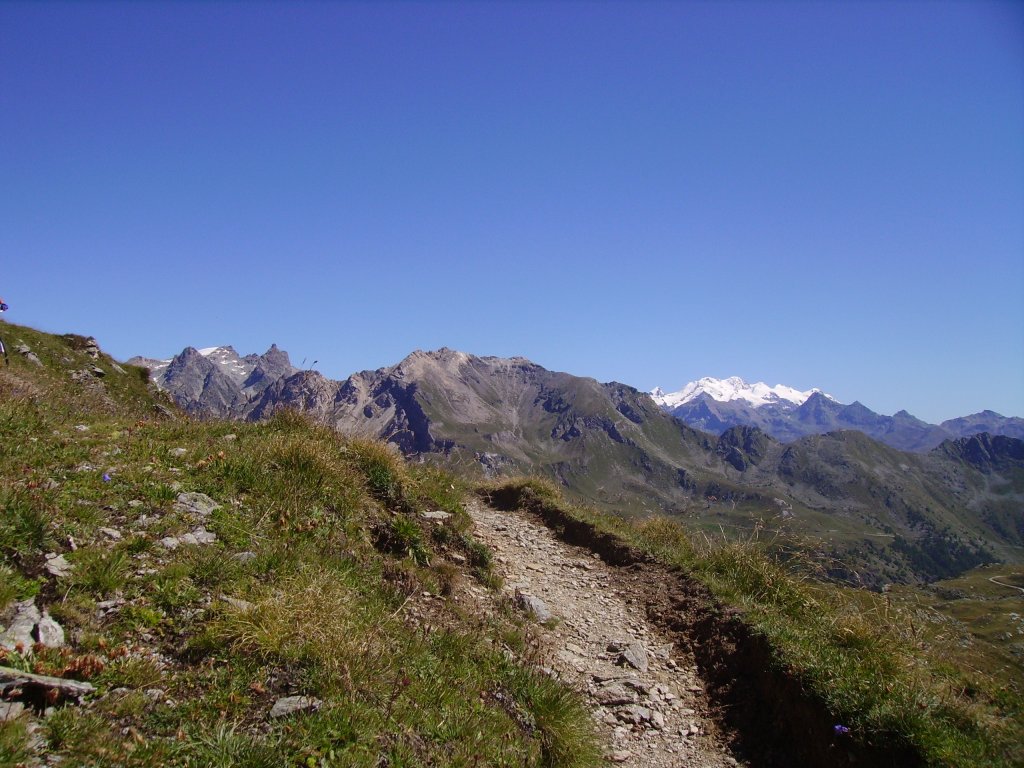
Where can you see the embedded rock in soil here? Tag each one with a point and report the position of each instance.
(49, 632)
(613, 694)
(291, 705)
(19, 632)
(57, 565)
(534, 606)
(635, 656)
(195, 503)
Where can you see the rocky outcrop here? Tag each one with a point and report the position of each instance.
(986, 452)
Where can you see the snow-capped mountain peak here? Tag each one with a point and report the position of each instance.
(733, 388)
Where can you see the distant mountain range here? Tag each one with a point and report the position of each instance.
(881, 514)
(785, 413)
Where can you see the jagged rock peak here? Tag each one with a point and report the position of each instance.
(277, 354)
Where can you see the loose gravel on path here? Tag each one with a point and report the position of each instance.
(646, 695)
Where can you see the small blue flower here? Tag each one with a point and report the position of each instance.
(106, 477)
(840, 730)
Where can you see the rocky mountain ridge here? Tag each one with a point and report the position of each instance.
(216, 382)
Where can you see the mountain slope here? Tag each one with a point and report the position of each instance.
(882, 515)
(607, 441)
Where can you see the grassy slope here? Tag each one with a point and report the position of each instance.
(887, 668)
(333, 591)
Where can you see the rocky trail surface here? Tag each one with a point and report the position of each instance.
(645, 693)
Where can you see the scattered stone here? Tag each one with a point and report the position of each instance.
(637, 685)
(28, 354)
(196, 537)
(111, 533)
(457, 557)
(19, 631)
(634, 714)
(117, 367)
(178, 451)
(290, 705)
(635, 656)
(244, 557)
(49, 633)
(613, 695)
(98, 372)
(230, 437)
(196, 504)
(237, 603)
(199, 536)
(534, 606)
(81, 428)
(619, 756)
(57, 565)
(107, 606)
(438, 514)
(657, 720)
(135, 503)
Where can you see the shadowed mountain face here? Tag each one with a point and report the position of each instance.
(217, 382)
(882, 515)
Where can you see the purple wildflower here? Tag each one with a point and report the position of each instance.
(106, 477)
(840, 730)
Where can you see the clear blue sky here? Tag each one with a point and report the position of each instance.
(815, 194)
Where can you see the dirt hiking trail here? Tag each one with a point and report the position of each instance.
(645, 693)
